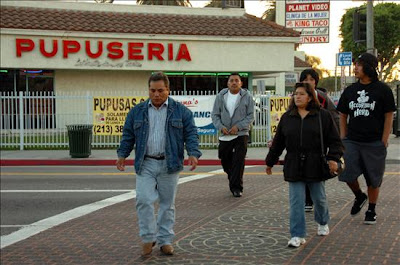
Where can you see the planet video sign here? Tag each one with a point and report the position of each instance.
(310, 17)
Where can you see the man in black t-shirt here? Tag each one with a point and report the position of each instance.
(366, 116)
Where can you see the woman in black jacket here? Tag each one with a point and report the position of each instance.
(311, 77)
(299, 132)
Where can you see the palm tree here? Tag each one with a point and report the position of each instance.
(164, 2)
(270, 13)
(214, 3)
(220, 3)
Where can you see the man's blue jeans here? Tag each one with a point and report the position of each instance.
(154, 183)
(297, 203)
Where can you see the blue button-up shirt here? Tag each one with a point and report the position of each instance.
(157, 119)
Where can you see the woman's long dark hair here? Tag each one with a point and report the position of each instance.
(313, 104)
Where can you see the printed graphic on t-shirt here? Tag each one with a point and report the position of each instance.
(362, 107)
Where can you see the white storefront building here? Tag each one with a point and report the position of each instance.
(88, 49)
(98, 47)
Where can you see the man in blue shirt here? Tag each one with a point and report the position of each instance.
(159, 128)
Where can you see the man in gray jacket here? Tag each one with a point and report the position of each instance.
(232, 115)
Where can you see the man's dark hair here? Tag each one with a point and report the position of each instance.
(311, 72)
(369, 63)
(235, 75)
(157, 76)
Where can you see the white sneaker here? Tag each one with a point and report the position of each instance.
(295, 242)
(323, 230)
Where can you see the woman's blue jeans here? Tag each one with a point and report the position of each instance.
(297, 203)
(154, 183)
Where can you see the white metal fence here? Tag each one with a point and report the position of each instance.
(37, 120)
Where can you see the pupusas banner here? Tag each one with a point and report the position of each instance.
(278, 106)
(109, 113)
(201, 106)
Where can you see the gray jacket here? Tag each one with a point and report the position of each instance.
(242, 117)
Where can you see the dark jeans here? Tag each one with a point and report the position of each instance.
(232, 155)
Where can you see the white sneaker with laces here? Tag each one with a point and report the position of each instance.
(296, 242)
(323, 230)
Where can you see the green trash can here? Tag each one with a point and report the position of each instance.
(80, 140)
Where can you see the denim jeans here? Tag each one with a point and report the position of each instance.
(154, 183)
(297, 203)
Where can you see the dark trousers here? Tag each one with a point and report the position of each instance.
(308, 196)
(232, 155)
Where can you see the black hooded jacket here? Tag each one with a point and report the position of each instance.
(301, 137)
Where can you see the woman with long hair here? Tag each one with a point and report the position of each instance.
(299, 133)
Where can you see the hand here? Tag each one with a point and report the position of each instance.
(333, 166)
(269, 143)
(234, 130)
(193, 161)
(120, 164)
(225, 131)
(386, 143)
(268, 170)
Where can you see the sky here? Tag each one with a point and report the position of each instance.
(325, 51)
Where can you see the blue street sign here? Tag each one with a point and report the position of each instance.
(345, 58)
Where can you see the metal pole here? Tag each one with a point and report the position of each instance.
(336, 72)
(21, 120)
(370, 27)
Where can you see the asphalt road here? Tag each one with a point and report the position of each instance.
(31, 194)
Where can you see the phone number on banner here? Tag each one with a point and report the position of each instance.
(104, 129)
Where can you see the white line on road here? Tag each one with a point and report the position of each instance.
(42, 225)
(58, 219)
(58, 191)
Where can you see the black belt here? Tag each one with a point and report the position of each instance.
(155, 157)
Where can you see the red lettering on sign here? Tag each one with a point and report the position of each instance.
(70, 46)
(183, 53)
(43, 50)
(23, 45)
(297, 7)
(170, 52)
(135, 51)
(314, 39)
(155, 49)
(114, 50)
(99, 49)
(320, 6)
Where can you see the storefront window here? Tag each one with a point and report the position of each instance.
(200, 82)
(6, 80)
(12, 80)
(176, 82)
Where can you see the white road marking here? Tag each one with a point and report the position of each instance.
(58, 219)
(42, 225)
(58, 191)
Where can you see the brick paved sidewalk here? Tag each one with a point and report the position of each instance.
(212, 227)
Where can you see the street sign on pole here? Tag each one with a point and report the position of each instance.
(342, 78)
(345, 58)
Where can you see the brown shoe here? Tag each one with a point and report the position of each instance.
(147, 248)
(167, 250)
